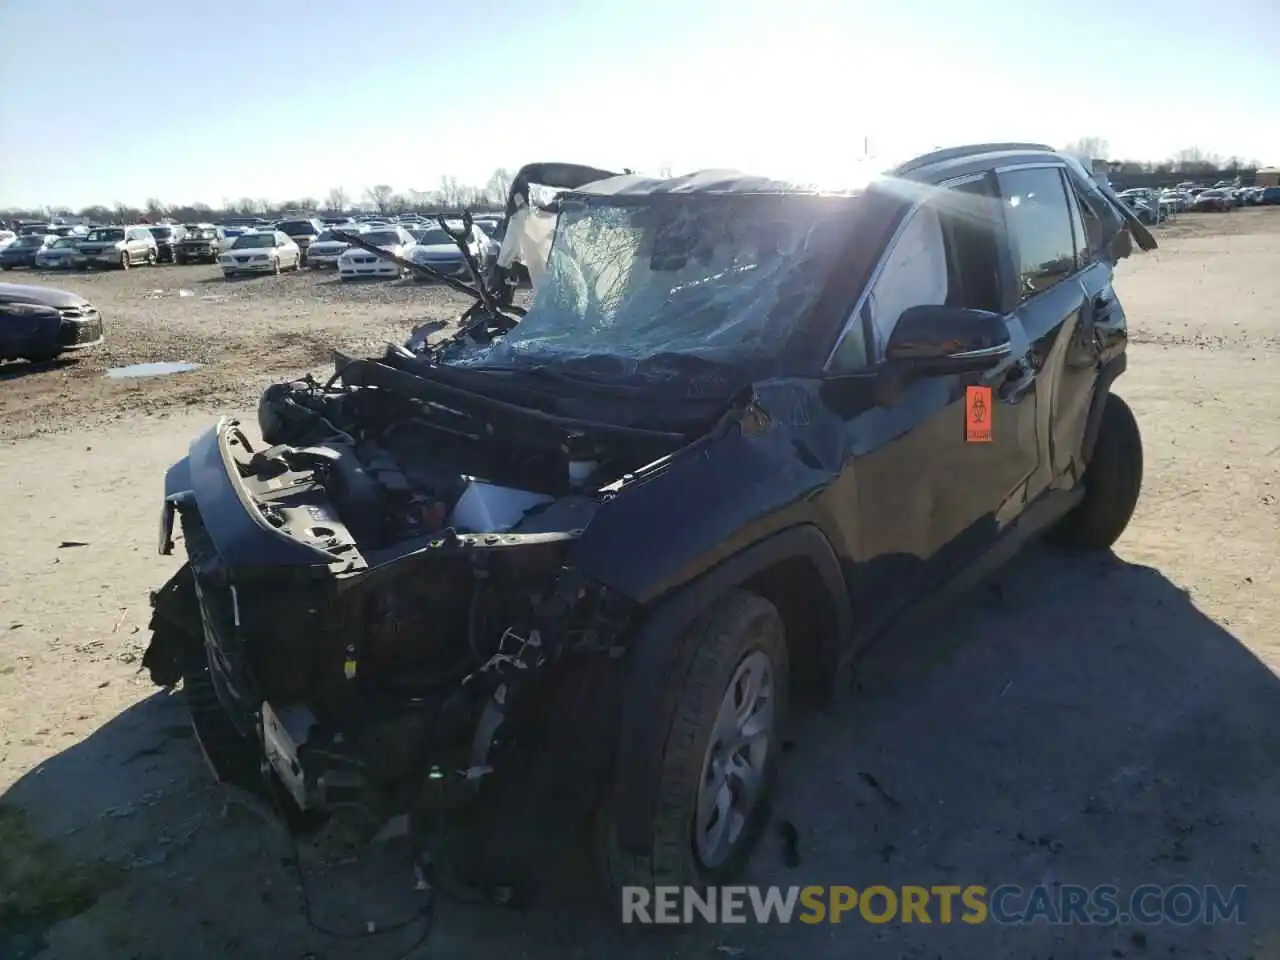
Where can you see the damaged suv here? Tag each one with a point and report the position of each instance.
(741, 428)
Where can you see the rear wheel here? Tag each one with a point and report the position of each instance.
(1112, 483)
(719, 718)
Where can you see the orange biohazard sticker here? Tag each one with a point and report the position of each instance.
(977, 415)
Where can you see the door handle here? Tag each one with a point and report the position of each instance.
(1019, 382)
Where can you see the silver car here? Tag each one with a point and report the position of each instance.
(60, 255)
(122, 247)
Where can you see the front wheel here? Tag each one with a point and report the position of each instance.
(720, 712)
(152, 258)
(1112, 483)
(125, 264)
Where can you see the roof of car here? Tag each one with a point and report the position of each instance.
(712, 182)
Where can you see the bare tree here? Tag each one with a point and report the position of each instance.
(308, 204)
(155, 208)
(337, 199)
(379, 195)
(96, 213)
(1092, 148)
(244, 206)
(263, 206)
(499, 185)
(1196, 160)
(449, 191)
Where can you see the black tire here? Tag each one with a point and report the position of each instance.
(698, 679)
(1112, 483)
(152, 258)
(125, 263)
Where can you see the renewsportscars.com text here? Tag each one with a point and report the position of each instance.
(941, 904)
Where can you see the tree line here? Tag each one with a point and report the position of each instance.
(1192, 161)
(379, 198)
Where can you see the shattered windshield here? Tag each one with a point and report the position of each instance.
(719, 278)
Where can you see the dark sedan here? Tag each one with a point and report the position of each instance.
(39, 323)
(22, 252)
(167, 240)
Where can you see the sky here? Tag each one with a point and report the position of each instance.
(186, 102)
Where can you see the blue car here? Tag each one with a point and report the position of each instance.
(41, 323)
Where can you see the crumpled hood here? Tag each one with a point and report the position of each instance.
(47, 296)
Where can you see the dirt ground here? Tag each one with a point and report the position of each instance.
(1078, 721)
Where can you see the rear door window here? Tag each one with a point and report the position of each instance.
(1039, 221)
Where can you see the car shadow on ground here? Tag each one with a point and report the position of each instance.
(1077, 721)
(15, 369)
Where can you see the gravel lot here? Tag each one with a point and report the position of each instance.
(245, 333)
(1079, 720)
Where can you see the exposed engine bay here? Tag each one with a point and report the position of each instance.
(427, 609)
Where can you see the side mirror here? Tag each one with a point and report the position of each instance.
(940, 340)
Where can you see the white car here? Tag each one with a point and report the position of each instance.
(260, 252)
(436, 249)
(7, 237)
(325, 249)
(357, 264)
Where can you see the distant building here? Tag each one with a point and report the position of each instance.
(1268, 177)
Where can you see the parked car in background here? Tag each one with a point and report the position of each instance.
(356, 264)
(34, 228)
(261, 252)
(62, 254)
(7, 237)
(336, 221)
(69, 230)
(437, 250)
(122, 247)
(1215, 200)
(22, 252)
(201, 243)
(40, 323)
(167, 238)
(301, 232)
(1270, 196)
(492, 226)
(325, 249)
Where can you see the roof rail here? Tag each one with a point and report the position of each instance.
(955, 153)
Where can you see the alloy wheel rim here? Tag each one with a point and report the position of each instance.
(733, 769)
